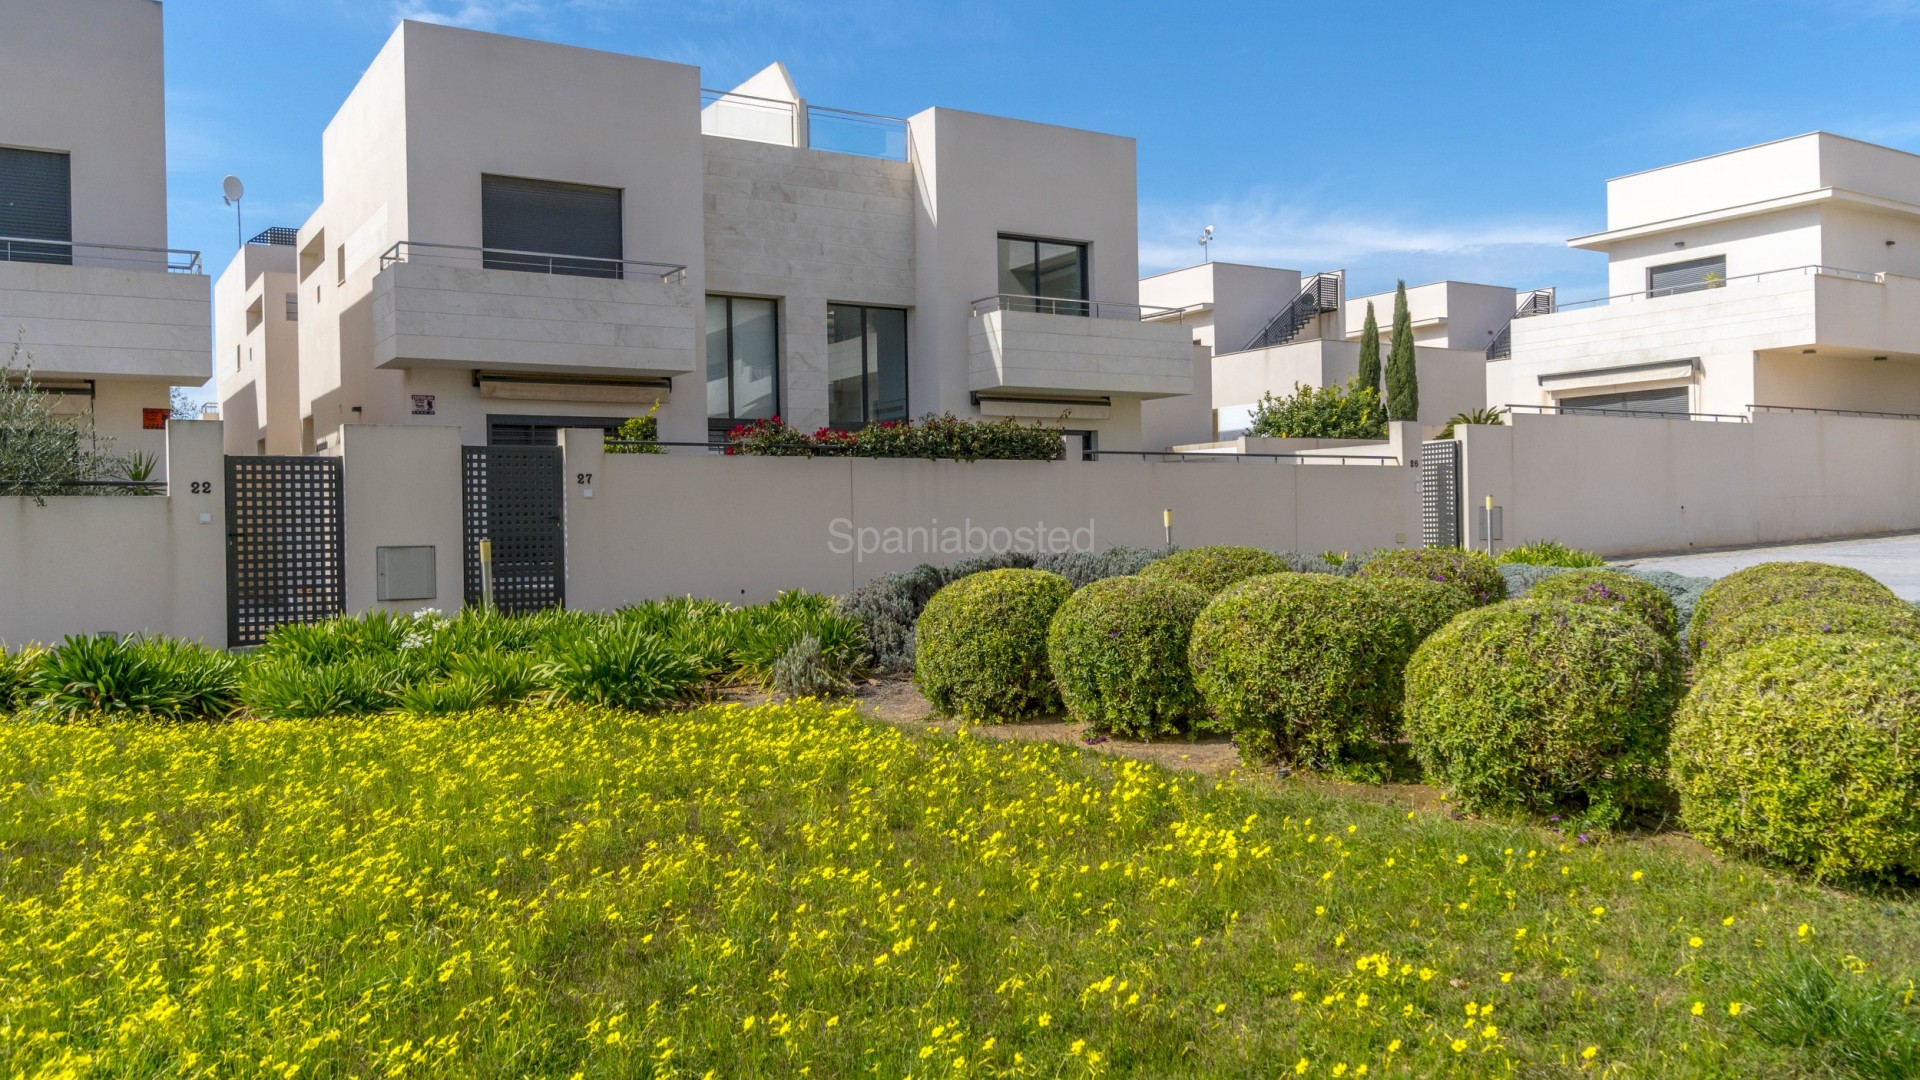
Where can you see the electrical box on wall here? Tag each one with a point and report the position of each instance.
(406, 573)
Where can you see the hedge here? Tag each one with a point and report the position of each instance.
(1775, 583)
(1795, 618)
(1118, 652)
(1302, 668)
(982, 645)
(1470, 570)
(1543, 705)
(1614, 589)
(1806, 751)
(1212, 569)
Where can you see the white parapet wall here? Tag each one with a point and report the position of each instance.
(124, 564)
(744, 528)
(1626, 486)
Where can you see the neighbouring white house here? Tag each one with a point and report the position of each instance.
(108, 316)
(256, 346)
(1781, 275)
(1269, 330)
(517, 236)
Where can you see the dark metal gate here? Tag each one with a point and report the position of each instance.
(1440, 494)
(512, 496)
(286, 553)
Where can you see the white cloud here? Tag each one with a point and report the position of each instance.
(1374, 247)
(472, 14)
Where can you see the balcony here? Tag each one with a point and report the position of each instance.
(445, 305)
(734, 115)
(87, 311)
(1798, 307)
(1044, 345)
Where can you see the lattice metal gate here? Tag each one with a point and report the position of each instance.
(1440, 494)
(512, 496)
(286, 553)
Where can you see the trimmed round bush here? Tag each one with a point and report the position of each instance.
(1212, 569)
(1543, 705)
(1795, 618)
(1421, 606)
(1118, 651)
(1613, 589)
(981, 645)
(1470, 570)
(1806, 751)
(1302, 668)
(1776, 583)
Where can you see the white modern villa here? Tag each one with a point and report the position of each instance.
(108, 316)
(1782, 275)
(499, 249)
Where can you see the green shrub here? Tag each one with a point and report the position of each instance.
(982, 645)
(1470, 570)
(1775, 583)
(1302, 668)
(16, 675)
(1543, 705)
(1614, 589)
(1351, 411)
(160, 677)
(1550, 553)
(625, 667)
(1118, 652)
(934, 436)
(888, 606)
(804, 671)
(1796, 618)
(766, 633)
(637, 435)
(455, 695)
(1212, 569)
(1806, 751)
(1419, 607)
(283, 688)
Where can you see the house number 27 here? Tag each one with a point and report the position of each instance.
(583, 478)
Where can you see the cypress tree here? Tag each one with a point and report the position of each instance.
(1403, 382)
(1370, 351)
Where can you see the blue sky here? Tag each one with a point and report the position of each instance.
(1413, 140)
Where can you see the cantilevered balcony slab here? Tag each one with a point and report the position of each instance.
(1107, 350)
(624, 318)
(95, 311)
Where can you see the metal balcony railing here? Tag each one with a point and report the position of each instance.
(80, 253)
(772, 120)
(1809, 410)
(1632, 414)
(1536, 302)
(531, 262)
(1095, 309)
(1809, 270)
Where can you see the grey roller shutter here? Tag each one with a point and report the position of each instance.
(550, 218)
(36, 203)
(1686, 276)
(1669, 401)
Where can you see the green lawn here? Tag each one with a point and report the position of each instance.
(785, 891)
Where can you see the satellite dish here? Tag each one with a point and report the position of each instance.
(233, 188)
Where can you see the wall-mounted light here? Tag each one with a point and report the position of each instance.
(1806, 352)
(1679, 243)
(1889, 243)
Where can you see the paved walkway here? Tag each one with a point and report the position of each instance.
(1894, 560)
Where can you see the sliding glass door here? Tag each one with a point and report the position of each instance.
(1048, 276)
(866, 365)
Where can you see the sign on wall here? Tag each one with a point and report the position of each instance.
(154, 419)
(423, 404)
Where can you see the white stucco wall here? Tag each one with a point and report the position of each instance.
(1445, 314)
(256, 361)
(1451, 380)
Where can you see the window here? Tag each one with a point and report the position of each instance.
(541, 220)
(743, 362)
(293, 307)
(340, 264)
(1688, 276)
(1668, 401)
(36, 203)
(1038, 275)
(508, 430)
(866, 365)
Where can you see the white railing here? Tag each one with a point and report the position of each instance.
(1097, 309)
(80, 253)
(531, 262)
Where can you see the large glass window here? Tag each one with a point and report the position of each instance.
(1687, 276)
(36, 203)
(1048, 276)
(531, 224)
(743, 361)
(866, 365)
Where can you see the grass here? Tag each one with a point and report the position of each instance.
(793, 890)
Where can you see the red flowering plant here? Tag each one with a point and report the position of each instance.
(935, 437)
(771, 437)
